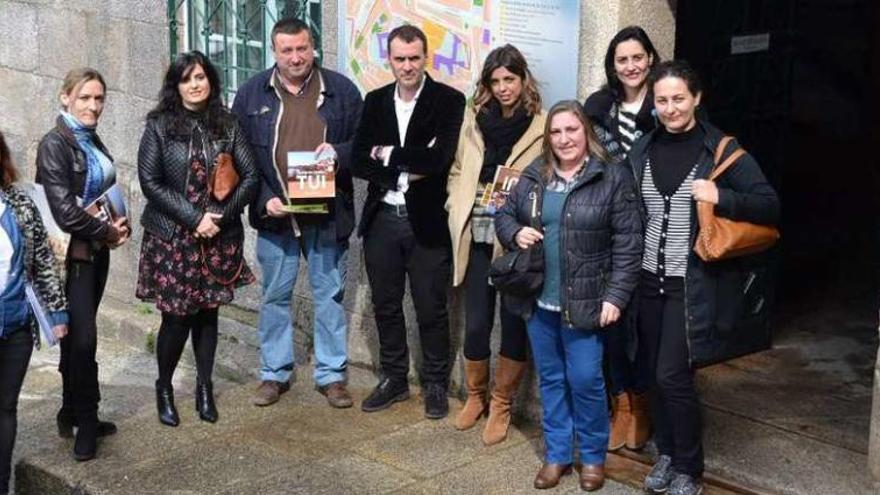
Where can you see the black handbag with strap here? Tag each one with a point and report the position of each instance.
(520, 272)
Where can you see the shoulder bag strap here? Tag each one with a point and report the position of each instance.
(730, 160)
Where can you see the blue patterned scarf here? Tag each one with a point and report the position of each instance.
(96, 160)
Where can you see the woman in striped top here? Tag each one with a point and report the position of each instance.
(686, 305)
(621, 112)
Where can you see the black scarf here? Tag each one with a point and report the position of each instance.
(500, 135)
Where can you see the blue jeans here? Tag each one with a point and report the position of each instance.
(569, 366)
(279, 255)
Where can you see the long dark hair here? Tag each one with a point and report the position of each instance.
(628, 33)
(510, 58)
(216, 117)
(8, 173)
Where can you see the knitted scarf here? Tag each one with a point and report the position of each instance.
(500, 135)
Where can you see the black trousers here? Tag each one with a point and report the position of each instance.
(392, 253)
(15, 353)
(174, 331)
(79, 370)
(479, 316)
(675, 407)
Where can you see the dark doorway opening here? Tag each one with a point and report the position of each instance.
(796, 81)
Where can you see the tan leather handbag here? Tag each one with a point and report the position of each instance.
(224, 178)
(722, 238)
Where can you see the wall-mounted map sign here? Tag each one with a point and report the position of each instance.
(460, 34)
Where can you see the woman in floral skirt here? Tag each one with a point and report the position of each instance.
(192, 252)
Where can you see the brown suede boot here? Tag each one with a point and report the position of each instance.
(639, 428)
(621, 420)
(477, 377)
(508, 374)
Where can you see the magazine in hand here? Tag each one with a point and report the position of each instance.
(110, 206)
(311, 181)
(496, 193)
(40, 314)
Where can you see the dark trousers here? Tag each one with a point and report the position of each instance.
(79, 370)
(174, 331)
(480, 312)
(392, 253)
(675, 407)
(15, 353)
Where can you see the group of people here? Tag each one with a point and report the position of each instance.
(607, 189)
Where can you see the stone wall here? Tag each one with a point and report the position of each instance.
(126, 40)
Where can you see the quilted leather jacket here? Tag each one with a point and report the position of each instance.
(61, 169)
(164, 173)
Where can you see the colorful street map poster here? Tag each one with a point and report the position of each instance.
(460, 34)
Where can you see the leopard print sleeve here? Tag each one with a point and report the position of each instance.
(46, 279)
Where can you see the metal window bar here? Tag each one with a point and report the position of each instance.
(235, 34)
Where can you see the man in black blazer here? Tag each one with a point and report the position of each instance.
(404, 147)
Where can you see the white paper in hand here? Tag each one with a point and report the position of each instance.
(41, 315)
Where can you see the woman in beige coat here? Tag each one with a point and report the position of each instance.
(503, 128)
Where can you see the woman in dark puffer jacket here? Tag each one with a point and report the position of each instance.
(592, 238)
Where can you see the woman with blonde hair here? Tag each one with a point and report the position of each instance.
(75, 168)
(584, 212)
(503, 128)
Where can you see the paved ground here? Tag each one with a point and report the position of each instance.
(297, 446)
(792, 420)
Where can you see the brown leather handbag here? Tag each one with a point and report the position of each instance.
(722, 238)
(224, 178)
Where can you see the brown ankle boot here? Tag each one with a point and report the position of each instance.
(621, 418)
(477, 378)
(639, 428)
(508, 374)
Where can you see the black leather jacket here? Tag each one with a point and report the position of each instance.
(164, 172)
(61, 169)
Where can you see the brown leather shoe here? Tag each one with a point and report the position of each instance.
(337, 395)
(550, 474)
(269, 392)
(592, 476)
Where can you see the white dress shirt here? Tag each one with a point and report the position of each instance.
(403, 110)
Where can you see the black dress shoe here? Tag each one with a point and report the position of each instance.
(205, 402)
(385, 394)
(85, 448)
(436, 402)
(67, 422)
(165, 405)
